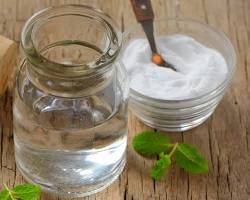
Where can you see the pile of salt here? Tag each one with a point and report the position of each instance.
(199, 69)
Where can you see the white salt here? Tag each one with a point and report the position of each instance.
(199, 69)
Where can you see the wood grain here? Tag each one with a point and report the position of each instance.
(8, 57)
(224, 138)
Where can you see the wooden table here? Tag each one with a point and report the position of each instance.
(224, 138)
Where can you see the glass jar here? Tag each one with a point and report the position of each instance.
(70, 106)
(184, 114)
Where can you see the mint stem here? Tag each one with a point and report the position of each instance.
(173, 149)
(10, 193)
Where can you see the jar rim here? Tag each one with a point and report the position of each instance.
(136, 95)
(101, 63)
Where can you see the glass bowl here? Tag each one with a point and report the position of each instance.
(182, 115)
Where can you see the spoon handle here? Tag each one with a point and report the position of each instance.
(145, 16)
(143, 10)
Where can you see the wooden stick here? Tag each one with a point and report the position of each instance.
(8, 56)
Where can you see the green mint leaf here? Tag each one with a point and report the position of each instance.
(160, 166)
(26, 192)
(4, 195)
(190, 159)
(150, 143)
(21, 192)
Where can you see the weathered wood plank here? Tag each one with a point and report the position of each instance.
(224, 138)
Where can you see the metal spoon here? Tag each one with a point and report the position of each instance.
(145, 16)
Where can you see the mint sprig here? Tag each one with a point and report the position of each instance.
(21, 192)
(185, 155)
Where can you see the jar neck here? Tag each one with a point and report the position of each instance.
(70, 87)
(71, 44)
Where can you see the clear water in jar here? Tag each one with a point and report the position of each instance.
(69, 146)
